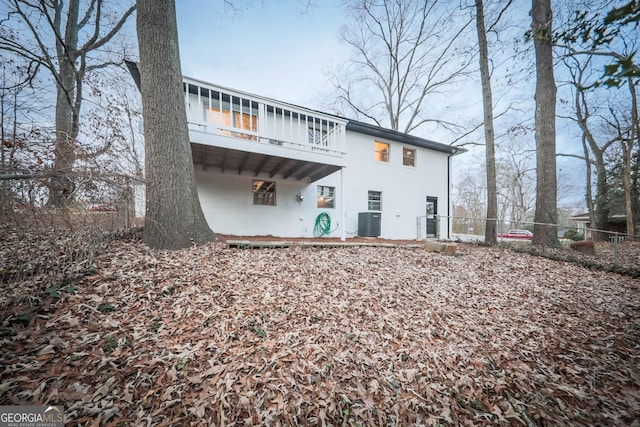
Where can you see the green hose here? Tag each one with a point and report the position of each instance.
(323, 225)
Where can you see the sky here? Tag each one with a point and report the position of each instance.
(280, 50)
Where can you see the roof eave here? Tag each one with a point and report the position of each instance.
(380, 132)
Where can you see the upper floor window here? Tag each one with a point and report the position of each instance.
(375, 200)
(326, 196)
(381, 151)
(408, 156)
(264, 192)
(232, 112)
(235, 119)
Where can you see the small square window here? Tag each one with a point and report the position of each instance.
(375, 200)
(408, 157)
(264, 192)
(381, 151)
(326, 197)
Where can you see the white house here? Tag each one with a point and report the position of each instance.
(265, 167)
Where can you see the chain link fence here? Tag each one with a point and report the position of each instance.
(43, 249)
(613, 250)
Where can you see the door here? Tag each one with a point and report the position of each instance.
(432, 214)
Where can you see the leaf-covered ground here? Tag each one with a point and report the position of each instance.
(326, 336)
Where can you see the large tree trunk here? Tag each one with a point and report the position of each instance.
(546, 215)
(633, 137)
(602, 209)
(174, 217)
(589, 191)
(490, 235)
(61, 185)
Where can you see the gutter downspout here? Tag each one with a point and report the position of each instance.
(449, 194)
(343, 212)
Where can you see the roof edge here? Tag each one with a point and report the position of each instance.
(380, 132)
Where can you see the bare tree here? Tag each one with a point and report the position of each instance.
(24, 147)
(516, 186)
(632, 143)
(591, 33)
(490, 231)
(9, 93)
(469, 201)
(595, 147)
(174, 217)
(405, 52)
(546, 215)
(589, 44)
(66, 39)
(113, 120)
(627, 136)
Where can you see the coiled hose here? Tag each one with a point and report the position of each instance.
(323, 225)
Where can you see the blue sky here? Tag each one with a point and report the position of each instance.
(280, 49)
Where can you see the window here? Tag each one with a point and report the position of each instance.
(224, 118)
(235, 113)
(375, 200)
(264, 192)
(408, 157)
(381, 153)
(326, 197)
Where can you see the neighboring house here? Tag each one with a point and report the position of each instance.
(265, 167)
(617, 223)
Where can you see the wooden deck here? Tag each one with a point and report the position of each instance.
(278, 244)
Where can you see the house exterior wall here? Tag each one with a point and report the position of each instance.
(404, 189)
(227, 200)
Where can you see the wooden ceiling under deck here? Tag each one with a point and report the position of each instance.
(228, 160)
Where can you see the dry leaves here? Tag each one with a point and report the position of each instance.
(328, 336)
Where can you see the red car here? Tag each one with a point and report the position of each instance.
(101, 208)
(517, 234)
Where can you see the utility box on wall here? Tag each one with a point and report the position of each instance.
(369, 224)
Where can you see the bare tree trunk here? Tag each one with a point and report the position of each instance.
(626, 180)
(633, 136)
(546, 215)
(9, 113)
(598, 211)
(490, 235)
(68, 101)
(589, 190)
(61, 186)
(174, 217)
(4, 167)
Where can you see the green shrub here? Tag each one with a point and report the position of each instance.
(573, 234)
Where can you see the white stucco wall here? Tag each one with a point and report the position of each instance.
(404, 189)
(227, 199)
(227, 202)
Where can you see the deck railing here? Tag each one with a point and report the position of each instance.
(215, 110)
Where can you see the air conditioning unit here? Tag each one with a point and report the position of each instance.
(369, 224)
